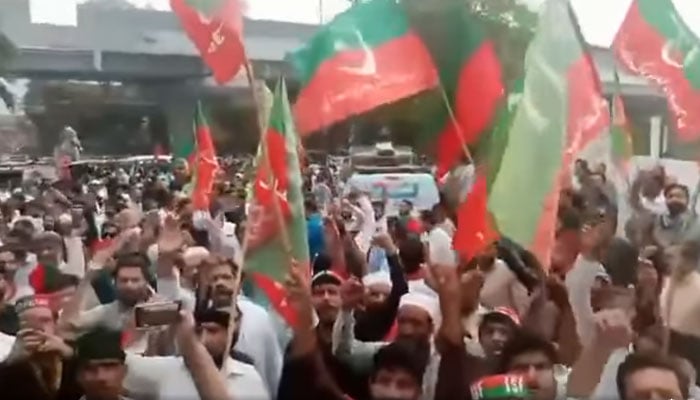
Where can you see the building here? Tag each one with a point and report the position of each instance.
(123, 71)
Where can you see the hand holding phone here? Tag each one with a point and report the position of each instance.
(153, 315)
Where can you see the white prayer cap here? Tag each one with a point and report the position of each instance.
(377, 278)
(427, 302)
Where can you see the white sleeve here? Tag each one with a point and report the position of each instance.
(76, 257)
(144, 373)
(346, 347)
(169, 287)
(579, 282)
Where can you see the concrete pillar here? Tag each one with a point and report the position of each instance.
(655, 137)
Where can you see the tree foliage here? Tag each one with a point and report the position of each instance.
(511, 25)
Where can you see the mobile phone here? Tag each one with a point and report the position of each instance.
(151, 315)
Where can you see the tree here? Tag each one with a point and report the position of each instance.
(511, 25)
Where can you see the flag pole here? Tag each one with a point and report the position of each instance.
(453, 119)
(286, 242)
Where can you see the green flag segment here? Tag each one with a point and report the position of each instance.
(276, 212)
(562, 109)
(470, 73)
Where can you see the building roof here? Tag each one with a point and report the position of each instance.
(104, 26)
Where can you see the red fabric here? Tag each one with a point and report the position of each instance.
(277, 296)
(339, 89)
(477, 99)
(206, 168)
(274, 173)
(217, 36)
(37, 279)
(414, 226)
(588, 117)
(393, 332)
(645, 51)
(475, 230)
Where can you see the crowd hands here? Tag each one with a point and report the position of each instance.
(142, 297)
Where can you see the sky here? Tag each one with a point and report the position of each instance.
(599, 19)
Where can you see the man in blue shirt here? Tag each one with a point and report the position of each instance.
(314, 229)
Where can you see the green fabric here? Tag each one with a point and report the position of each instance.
(103, 285)
(490, 149)
(271, 259)
(452, 35)
(366, 24)
(534, 154)
(665, 19)
(206, 7)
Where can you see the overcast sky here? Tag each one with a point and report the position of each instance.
(599, 19)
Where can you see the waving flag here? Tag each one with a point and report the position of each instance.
(366, 57)
(205, 162)
(562, 109)
(656, 43)
(215, 27)
(276, 212)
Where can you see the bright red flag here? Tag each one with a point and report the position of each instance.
(205, 164)
(475, 229)
(216, 29)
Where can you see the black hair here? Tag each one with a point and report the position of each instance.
(132, 260)
(428, 217)
(400, 355)
(62, 281)
(411, 254)
(639, 361)
(497, 318)
(672, 186)
(310, 206)
(523, 342)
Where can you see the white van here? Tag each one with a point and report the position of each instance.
(418, 188)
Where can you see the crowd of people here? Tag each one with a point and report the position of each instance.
(386, 310)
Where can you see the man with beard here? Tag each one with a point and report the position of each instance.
(131, 284)
(39, 366)
(376, 321)
(671, 227)
(325, 297)
(407, 369)
(164, 378)
(256, 338)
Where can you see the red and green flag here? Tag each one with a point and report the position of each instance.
(276, 216)
(620, 132)
(216, 29)
(562, 109)
(470, 73)
(656, 43)
(366, 57)
(475, 227)
(205, 163)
